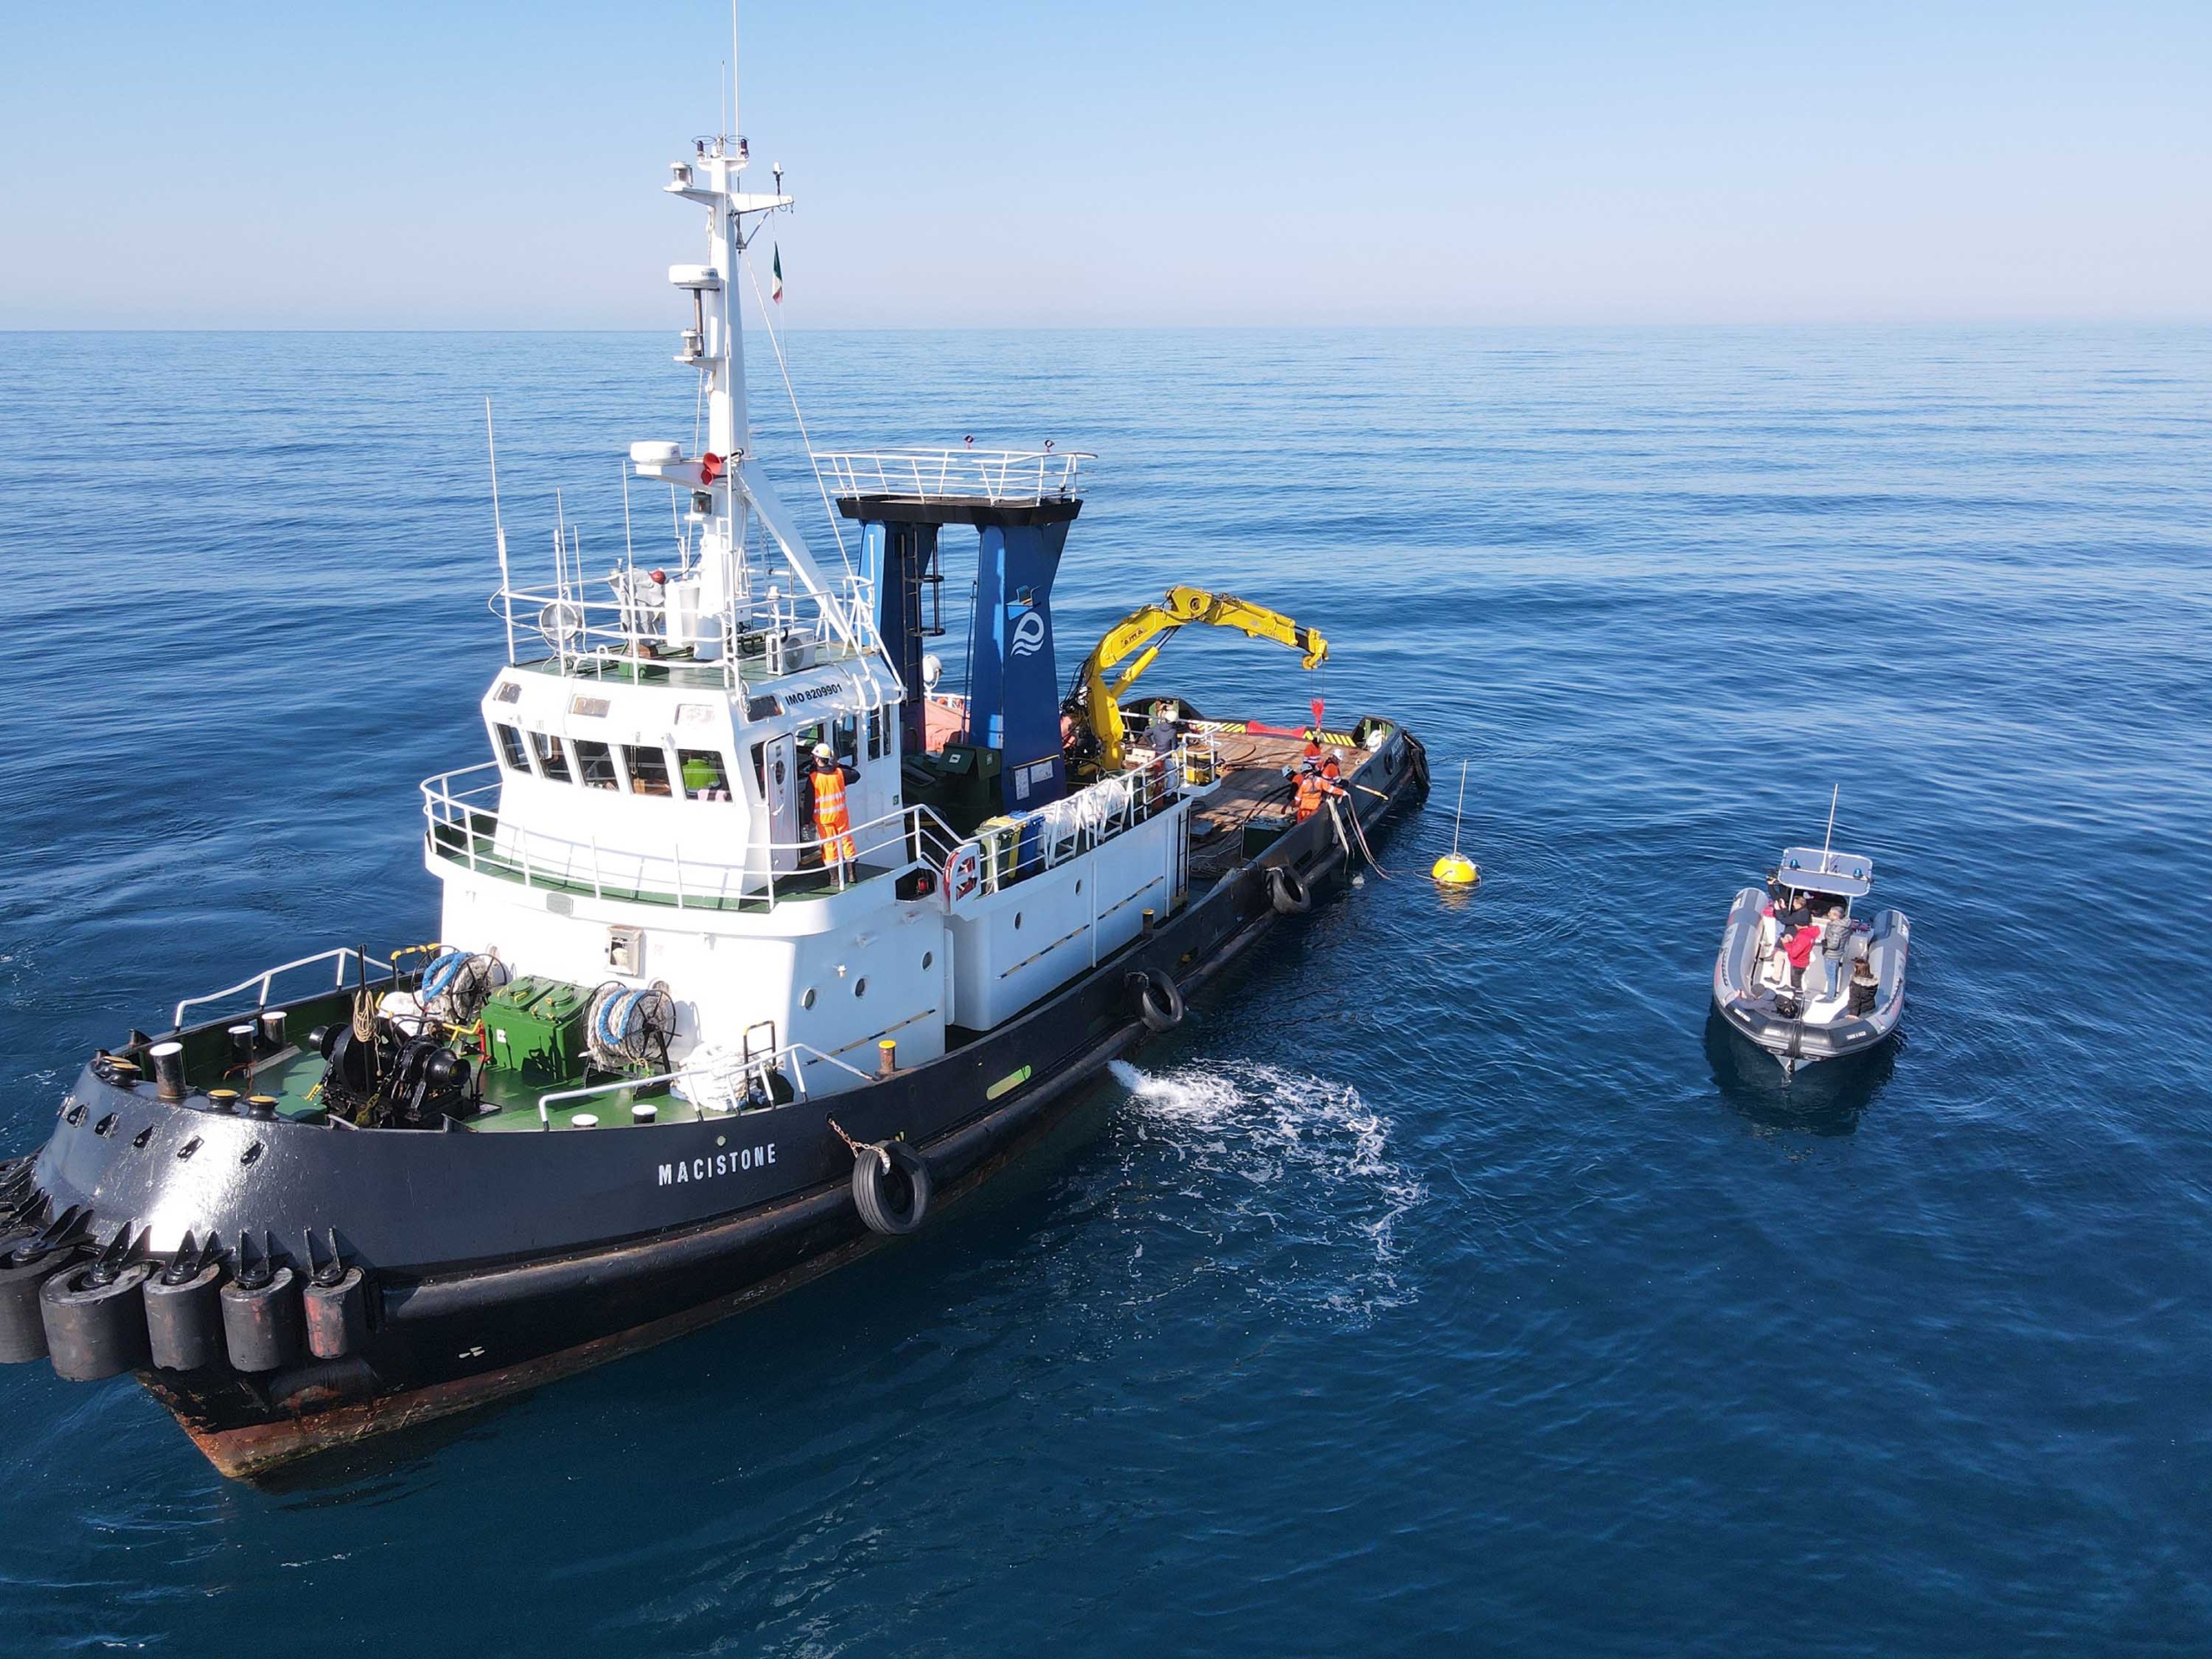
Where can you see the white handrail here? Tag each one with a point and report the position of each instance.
(767, 1061)
(581, 634)
(458, 819)
(1000, 476)
(338, 979)
(1087, 819)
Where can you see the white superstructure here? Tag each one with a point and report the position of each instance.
(645, 821)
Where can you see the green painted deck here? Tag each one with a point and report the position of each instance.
(511, 1101)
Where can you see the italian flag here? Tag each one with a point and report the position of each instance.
(776, 277)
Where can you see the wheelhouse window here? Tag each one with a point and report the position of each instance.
(874, 733)
(552, 759)
(846, 739)
(512, 755)
(595, 764)
(705, 778)
(648, 768)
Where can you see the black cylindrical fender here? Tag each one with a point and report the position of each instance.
(338, 1316)
(261, 1324)
(1287, 892)
(184, 1322)
(96, 1329)
(22, 1322)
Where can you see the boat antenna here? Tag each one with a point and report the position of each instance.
(735, 122)
(500, 530)
(1459, 809)
(1828, 839)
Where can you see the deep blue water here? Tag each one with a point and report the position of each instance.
(1438, 1290)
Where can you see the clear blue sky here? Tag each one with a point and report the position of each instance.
(397, 165)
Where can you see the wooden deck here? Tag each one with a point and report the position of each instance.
(1254, 789)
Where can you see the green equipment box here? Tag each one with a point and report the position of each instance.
(536, 1028)
(1263, 829)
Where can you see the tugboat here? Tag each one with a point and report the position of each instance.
(757, 945)
(1799, 973)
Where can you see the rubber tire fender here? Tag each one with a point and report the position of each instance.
(1287, 892)
(1158, 997)
(891, 1201)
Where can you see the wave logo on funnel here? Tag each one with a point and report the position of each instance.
(1028, 635)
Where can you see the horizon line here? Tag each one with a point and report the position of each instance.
(2177, 319)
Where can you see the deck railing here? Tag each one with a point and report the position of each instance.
(1002, 476)
(727, 1080)
(657, 628)
(1019, 845)
(264, 981)
(465, 827)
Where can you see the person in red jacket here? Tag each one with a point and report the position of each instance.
(1799, 948)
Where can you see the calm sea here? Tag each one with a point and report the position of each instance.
(1441, 1288)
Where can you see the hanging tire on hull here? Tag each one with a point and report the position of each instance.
(1159, 998)
(1287, 892)
(891, 1188)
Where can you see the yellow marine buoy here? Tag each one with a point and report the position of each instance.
(1455, 869)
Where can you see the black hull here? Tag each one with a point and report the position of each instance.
(501, 1262)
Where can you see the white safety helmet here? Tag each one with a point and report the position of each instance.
(823, 752)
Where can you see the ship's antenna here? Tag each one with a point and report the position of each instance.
(1830, 836)
(629, 547)
(500, 530)
(560, 546)
(736, 120)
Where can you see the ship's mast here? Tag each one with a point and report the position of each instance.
(715, 345)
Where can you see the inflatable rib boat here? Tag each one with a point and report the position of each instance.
(1803, 971)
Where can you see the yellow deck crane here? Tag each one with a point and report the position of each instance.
(1098, 702)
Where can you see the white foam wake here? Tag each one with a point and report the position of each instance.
(1287, 1175)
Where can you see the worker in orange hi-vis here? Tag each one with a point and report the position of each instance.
(833, 825)
(1313, 788)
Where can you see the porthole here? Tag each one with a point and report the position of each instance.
(929, 960)
(859, 985)
(806, 997)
